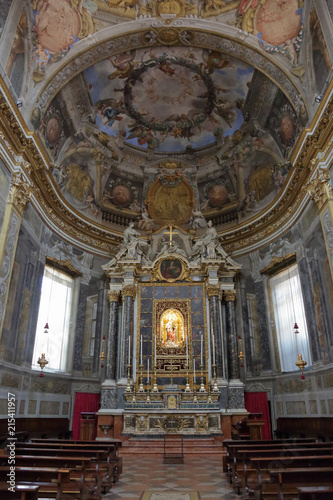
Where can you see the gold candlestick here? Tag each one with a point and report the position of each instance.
(155, 388)
(187, 387)
(141, 388)
(128, 386)
(133, 397)
(195, 399)
(215, 388)
(148, 394)
(202, 387)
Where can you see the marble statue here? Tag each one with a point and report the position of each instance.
(206, 245)
(197, 220)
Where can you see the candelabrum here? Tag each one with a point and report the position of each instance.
(215, 388)
(148, 394)
(202, 387)
(141, 388)
(209, 399)
(187, 387)
(128, 386)
(134, 395)
(155, 388)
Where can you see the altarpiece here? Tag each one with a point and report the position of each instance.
(172, 354)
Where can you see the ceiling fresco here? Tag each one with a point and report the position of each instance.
(172, 122)
(169, 99)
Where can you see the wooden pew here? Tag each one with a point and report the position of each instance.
(52, 481)
(99, 459)
(284, 462)
(22, 492)
(315, 493)
(113, 459)
(288, 480)
(231, 458)
(231, 444)
(241, 475)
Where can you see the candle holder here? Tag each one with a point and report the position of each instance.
(215, 388)
(128, 386)
(148, 394)
(195, 399)
(155, 388)
(134, 395)
(202, 387)
(187, 387)
(209, 399)
(141, 388)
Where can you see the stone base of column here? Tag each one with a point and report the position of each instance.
(235, 399)
(121, 387)
(223, 388)
(109, 395)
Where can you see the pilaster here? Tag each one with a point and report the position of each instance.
(19, 195)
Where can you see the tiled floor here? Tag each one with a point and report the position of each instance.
(201, 474)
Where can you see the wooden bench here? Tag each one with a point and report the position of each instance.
(111, 446)
(231, 445)
(241, 475)
(283, 462)
(288, 480)
(52, 481)
(231, 459)
(315, 492)
(22, 492)
(113, 459)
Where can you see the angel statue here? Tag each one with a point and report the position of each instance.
(207, 244)
(134, 243)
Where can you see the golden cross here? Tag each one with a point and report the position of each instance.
(171, 233)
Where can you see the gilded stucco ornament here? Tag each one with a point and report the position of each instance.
(20, 193)
(168, 10)
(320, 188)
(114, 295)
(213, 291)
(229, 295)
(129, 291)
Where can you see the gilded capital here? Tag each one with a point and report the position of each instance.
(229, 295)
(114, 295)
(320, 188)
(213, 290)
(129, 290)
(19, 193)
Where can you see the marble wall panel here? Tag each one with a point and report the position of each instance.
(296, 407)
(32, 407)
(49, 408)
(313, 408)
(323, 406)
(3, 406)
(65, 408)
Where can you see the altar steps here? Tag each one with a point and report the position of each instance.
(155, 447)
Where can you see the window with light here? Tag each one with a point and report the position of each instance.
(289, 310)
(54, 318)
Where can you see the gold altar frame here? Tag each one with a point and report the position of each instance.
(159, 275)
(152, 284)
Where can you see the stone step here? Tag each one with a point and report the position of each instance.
(155, 447)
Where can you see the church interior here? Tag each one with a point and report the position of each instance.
(166, 265)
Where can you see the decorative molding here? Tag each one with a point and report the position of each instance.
(320, 188)
(229, 295)
(213, 290)
(19, 193)
(114, 295)
(129, 291)
(279, 263)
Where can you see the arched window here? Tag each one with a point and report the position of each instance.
(55, 311)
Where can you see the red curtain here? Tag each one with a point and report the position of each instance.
(256, 402)
(84, 401)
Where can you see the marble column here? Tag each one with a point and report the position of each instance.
(233, 361)
(128, 294)
(320, 190)
(213, 292)
(109, 387)
(246, 328)
(236, 387)
(112, 344)
(262, 325)
(19, 195)
(99, 333)
(80, 326)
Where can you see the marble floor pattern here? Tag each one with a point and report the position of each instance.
(202, 474)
